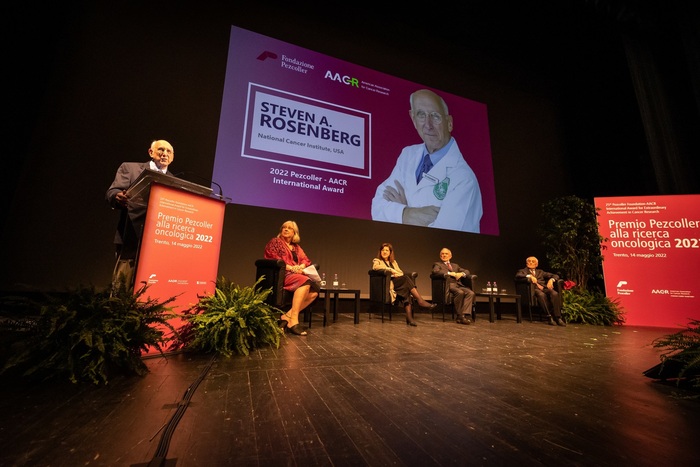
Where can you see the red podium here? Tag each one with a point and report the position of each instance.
(180, 240)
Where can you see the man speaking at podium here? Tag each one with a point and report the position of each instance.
(132, 217)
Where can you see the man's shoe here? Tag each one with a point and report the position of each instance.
(551, 322)
(560, 322)
(464, 320)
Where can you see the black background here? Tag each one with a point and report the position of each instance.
(92, 83)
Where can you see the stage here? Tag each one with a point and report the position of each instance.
(374, 394)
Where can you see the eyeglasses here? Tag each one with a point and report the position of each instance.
(435, 117)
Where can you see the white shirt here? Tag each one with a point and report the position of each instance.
(460, 208)
(152, 165)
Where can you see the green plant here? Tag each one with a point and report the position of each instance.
(570, 234)
(590, 307)
(574, 247)
(90, 335)
(681, 359)
(233, 320)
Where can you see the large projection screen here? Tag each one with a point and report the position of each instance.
(303, 131)
(652, 257)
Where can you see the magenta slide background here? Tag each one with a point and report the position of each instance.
(256, 61)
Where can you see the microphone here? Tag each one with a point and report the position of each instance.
(204, 180)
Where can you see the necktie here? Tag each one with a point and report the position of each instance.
(449, 266)
(424, 167)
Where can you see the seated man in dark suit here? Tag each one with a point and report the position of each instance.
(545, 293)
(462, 296)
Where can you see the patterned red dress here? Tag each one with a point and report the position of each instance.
(277, 249)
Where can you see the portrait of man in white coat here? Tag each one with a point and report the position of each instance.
(431, 184)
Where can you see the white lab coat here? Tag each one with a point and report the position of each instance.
(461, 207)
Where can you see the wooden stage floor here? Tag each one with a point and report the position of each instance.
(374, 394)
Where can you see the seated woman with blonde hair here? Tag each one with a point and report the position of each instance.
(285, 246)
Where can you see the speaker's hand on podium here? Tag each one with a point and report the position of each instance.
(122, 199)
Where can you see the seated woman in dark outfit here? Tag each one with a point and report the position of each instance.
(402, 287)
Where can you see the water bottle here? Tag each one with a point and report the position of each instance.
(335, 281)
(488, 287)
(323, 279)
(495, 287)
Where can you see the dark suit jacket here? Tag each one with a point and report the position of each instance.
(441, 268)
(541, 275)
(131, 220)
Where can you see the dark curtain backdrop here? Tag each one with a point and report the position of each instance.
(93, 84)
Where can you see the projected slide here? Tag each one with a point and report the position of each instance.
(652, 257)
(303, 131)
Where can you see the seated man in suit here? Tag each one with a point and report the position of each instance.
(462, 296)
(545, 293)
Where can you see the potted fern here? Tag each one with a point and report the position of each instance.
(233, 320)
(680, 359)
(587, 306)
(569, 231)
(88, 335)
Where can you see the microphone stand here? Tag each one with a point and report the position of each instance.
(206, 180)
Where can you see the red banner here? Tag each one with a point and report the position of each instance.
(180, 246)
(652, 257)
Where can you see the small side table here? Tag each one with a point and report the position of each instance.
(495, 305)
(336, 295)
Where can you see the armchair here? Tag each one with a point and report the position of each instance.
(443, 299)
(274, 271)
(380, 291)
(526, 290)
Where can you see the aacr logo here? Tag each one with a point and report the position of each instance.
(660, 291)
(342, 79)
